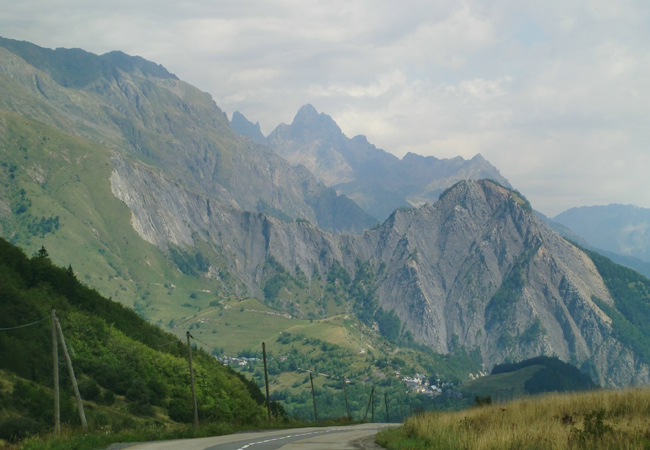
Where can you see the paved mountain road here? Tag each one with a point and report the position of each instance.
(340, 438)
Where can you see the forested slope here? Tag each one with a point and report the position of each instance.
(129, 371)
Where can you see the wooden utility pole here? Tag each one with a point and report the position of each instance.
(55, 369)
(345, 393)
(373, 406)
(196, 407)
(313, 396)
(386, 404)
(372, 394)
(80, 405)
(266, 383)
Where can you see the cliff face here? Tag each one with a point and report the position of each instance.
(477, 270)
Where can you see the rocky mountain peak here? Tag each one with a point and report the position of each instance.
(376, 180)
(245, 127)
(309, 122)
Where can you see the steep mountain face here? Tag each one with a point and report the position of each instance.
(376, 180)
(477, 270)
(139, 109)
(623, 229)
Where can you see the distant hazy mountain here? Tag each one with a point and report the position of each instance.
(243, 126)
(375, 179)
(633, 263)
(622, 229)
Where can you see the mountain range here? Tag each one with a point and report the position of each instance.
(139, 181)
(140, 110)
(376, 180)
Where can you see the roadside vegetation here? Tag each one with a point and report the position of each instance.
(596, 420)
(132, 375)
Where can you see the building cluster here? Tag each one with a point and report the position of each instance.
(236, 360)
(420, 384)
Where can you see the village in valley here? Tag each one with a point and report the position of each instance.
(417, 384)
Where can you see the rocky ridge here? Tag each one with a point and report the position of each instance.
(139, 109)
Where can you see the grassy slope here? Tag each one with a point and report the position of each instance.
(503, 386)
(593, 420)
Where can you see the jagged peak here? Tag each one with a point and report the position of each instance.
(309, 118)
(307, 110)
(245, 127)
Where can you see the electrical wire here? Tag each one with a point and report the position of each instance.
(207, 345)
(26, 325)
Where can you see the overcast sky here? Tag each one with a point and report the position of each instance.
(556, 94)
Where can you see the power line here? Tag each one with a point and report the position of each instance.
(207, 345)
(26, 325)
(166, 345)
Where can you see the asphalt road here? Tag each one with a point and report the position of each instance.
(340, 438)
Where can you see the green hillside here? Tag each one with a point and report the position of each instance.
(532, 376)
(130, 372)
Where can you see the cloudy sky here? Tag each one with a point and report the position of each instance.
(556, 94)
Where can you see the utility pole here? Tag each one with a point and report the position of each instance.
(373, 405)
(80, 405)
(196, 408)
(266, 382)
(55, 369)
(372, 394)
(345, 393)
(386, 404)
(313, 396)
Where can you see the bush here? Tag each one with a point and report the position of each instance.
(89, 390)
(15, 429)
(108, 398)
(181, 410)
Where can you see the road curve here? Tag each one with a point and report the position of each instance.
(340, 438)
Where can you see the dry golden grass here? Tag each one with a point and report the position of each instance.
(592, 420)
